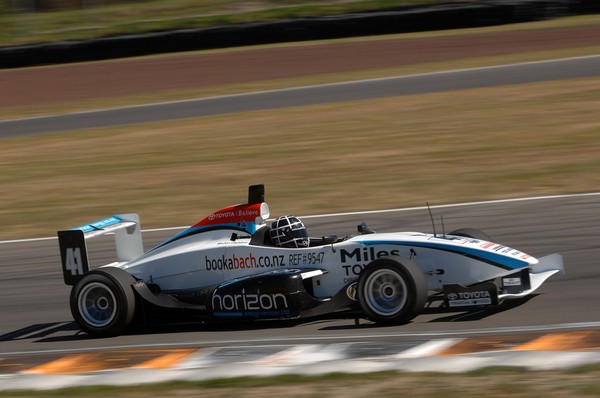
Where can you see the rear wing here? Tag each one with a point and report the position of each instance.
(73, 249)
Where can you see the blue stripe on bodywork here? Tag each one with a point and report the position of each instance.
(227, 314)
(198, 230)
(97, 225)
(498, 260)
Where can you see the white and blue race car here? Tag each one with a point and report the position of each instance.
(234, 265)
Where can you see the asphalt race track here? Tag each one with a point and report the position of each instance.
(36, 318)
(529, 72)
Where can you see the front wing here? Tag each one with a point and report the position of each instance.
(511, 286)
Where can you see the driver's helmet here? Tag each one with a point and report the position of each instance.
(288, 231)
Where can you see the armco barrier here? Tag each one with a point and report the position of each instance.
(425, 18)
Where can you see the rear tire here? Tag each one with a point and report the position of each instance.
(103, 302)
(392, 290)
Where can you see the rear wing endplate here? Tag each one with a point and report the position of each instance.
(73, 249)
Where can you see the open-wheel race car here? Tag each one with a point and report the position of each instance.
(234, 265)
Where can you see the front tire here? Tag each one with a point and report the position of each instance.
(103, 302)
(392, 290)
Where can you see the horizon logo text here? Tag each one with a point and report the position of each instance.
(249, 301)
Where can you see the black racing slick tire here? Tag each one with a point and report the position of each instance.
(103, 302)
(471, 233)
(392, 290)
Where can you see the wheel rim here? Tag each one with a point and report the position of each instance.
(97, 304)
(386, 292)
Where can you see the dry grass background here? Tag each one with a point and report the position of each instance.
(496, 382)
(512, 141)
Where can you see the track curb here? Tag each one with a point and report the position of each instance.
(540, 352)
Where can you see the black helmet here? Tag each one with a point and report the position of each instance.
(288, 231)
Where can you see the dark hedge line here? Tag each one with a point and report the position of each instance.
(428, 18)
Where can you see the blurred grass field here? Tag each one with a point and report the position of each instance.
(499, 142)
(502, 142)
